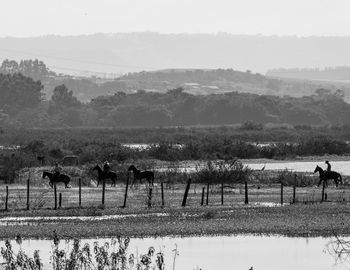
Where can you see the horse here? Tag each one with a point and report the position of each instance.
(138, 175)
(60, 178)
(102, 175)
(326, 175)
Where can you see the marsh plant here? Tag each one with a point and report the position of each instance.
(112, 255)
(339, 248)
(223, 171)
(20, 260)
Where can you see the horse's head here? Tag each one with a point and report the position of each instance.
(318, 169)
(44, 174)
(131, 168)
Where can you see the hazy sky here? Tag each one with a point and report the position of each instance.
(267, 17)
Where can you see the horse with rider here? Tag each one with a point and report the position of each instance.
(57, 176)
(328, 174)
(105, 173)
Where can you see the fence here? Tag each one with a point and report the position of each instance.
(165, 195)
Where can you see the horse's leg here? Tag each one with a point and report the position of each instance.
(150, 182)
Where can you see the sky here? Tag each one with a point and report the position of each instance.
(25, 18)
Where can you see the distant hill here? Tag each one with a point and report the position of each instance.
(205, 82)
(338, 74)
(194, 81)
(197, 82)
(131, 52)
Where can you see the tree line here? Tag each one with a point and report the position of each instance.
(23, 104)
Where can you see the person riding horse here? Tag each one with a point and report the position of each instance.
(328, 174)
(57, 171)
(106, 167)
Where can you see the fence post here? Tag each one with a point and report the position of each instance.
(222, 193)
(281, 193)
(162, 190)
(150, 197)
(103, 191)
(79, 192)
(60, 200)
(7, 198)
(186, 192)
(207, 202)
(323, 190)
(126, 190)
(203, 191)
(246, 192)
(55, 194)
(28, 194)
(294, 187)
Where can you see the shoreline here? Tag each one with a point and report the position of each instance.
(316, 220)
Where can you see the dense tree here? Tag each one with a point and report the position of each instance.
(18, 92)
(34, 69)
(62, 97)
(21, 104)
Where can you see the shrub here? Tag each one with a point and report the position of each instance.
(217, 172)
(251, 125)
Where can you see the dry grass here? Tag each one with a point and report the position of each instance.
(43, 197)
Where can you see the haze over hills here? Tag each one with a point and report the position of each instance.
(131, 52)
(337, 74)
(193, 81)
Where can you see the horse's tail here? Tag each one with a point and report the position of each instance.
(341, 179)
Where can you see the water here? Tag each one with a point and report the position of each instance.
(10, 147)
(343, 167)
(226, 252)
(144, 146)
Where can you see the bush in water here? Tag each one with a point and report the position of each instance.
(110, 255)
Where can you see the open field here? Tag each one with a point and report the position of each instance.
(42, 198)
(263, 214)
(324, 219)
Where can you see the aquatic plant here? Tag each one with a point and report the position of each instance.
(19, 260)
(109, 255)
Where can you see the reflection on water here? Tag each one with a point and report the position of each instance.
(227, 252)
(37, 219)
(339, 248)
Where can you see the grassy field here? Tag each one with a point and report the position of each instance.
(263, 214)
(324, 219)
(42, 198)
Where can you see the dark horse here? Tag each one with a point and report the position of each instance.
(102, 175)
(325, 175)
(138, 175)
(60, 178)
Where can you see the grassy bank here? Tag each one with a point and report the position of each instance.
(42, 202)
(293, 220)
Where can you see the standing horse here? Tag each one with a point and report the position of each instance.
(102, 175)
(326, 175)
(60, 178)
(138, 175)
